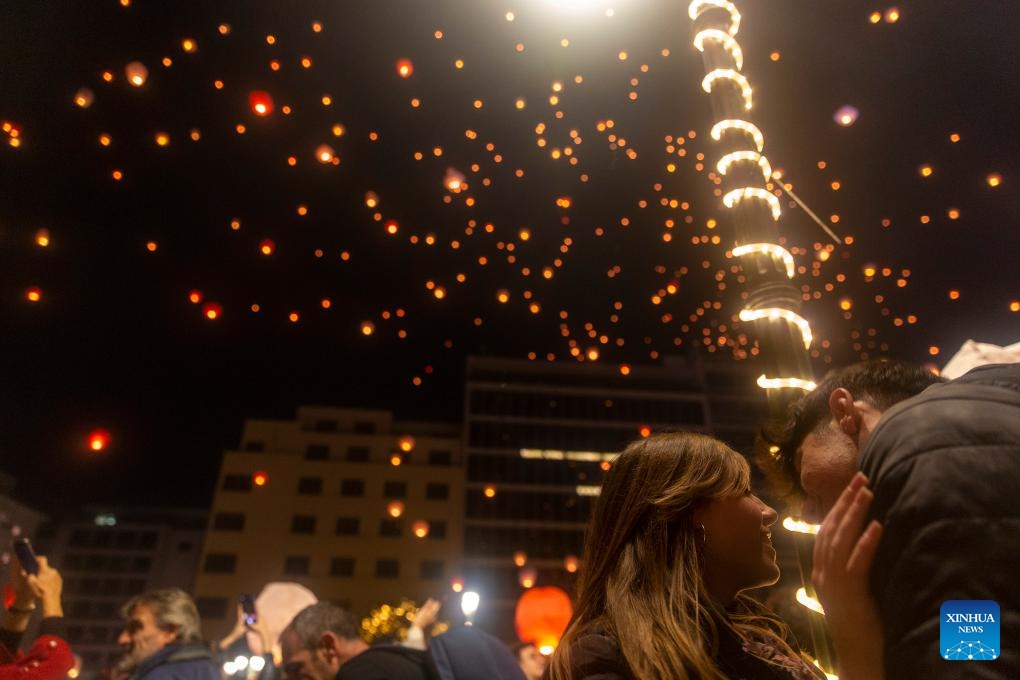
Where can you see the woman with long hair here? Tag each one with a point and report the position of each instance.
(675, 537)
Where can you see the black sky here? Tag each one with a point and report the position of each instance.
(114, 343)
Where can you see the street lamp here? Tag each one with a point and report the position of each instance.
(469, 605)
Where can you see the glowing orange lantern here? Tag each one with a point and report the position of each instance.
(267, 247)
(261, 102)
(395, 509)
(406, 444)
(212, 310)
(542, 615)
(195, 297)
(420, 528)
(324, 154)
(42, 238)
(33, 294)
(404, 68)
(84, 97)
(527, 577)
(260, 478)
(136, 73)
(98, 440)
(571, 563)
(520, 558)
(457, 584)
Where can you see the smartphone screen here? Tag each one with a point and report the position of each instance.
(23, 549)
(248, 607)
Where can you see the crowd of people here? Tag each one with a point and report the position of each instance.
(913, 479)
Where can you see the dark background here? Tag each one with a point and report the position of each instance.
(115, 344)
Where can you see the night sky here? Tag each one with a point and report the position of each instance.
(592, 214)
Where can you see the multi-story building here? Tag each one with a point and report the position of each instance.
(538, 439)
(108, 555)
(360, 509)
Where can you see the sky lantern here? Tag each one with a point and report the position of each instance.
(571, 563)
(520, 558)
(489, 491)
(371, 199)
(420, 528)
(404, 68)
(527, 577)
(406, 444)
(324, 154)
(33, 294)
(454, 181)
(367, 328)
(392, 227)
(260, 102)
(396, 460)
(457, 584)
(84, 97)
(136, 73)
(994, 179)
(395, 509)
(846, 115)
(260, 478)
(98, 440)
(212, 310)
(195, 296)
(42, 238)
(541, 616)
(267, 247)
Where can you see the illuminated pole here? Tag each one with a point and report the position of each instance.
(772, 302)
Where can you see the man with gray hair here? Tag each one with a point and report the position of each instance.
(162, 638)
(322, 643)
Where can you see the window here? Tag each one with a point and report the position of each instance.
(254, 446)
(348, 526)
(126, 539)
(220, 563)
(228, 521)
(395, 489)
(237, 483)
(392, 528)
(148, 539)
(118, 563)
(440, 457)
(296, 565)
(436, 491)
(326, 426)
(141, 564)
(302, 524)
(387, 568)
(364, 427)
(431, 570)
(310, 486)
(212, 607)
(358, 454)
(437, 529)
(341, 566)
(317, 452)
(352, 487)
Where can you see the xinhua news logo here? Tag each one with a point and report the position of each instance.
(969, 630)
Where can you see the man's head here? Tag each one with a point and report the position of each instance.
(155, 620)
(531, 661)
(320, 639)
(829, 427)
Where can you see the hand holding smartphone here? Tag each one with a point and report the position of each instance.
(248, 607)
(26, 556)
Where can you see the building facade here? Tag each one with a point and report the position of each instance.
(358, 508)
(538, 440)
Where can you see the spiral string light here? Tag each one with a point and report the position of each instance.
(715, 37)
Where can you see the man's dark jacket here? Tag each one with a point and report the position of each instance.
(178, 662)
(945, 469)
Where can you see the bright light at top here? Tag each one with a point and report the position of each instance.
(469, 603)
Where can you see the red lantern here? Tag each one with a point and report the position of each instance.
(195, 297)
(212, 310)
(260, 479)
(267, 247)
(404, 68)
(542, 615)
(261, 102)
(98, 440)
